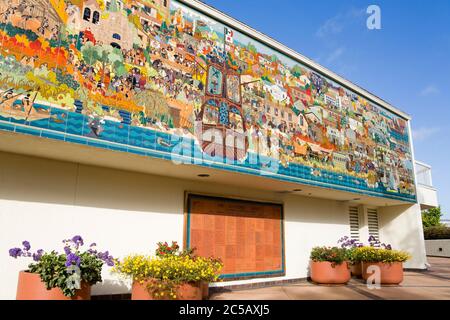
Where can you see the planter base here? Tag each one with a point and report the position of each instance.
(327, 273)
(186, 291)
(356, 270)
(205, 290)
(31, 287)
(390, 273)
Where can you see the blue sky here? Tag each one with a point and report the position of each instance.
(406, 63)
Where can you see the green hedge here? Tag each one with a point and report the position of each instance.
(435, 233)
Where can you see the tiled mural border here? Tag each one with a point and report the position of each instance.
(83, 140)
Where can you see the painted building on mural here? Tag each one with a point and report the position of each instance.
(124, 104)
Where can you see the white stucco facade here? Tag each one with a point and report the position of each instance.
(44, 201)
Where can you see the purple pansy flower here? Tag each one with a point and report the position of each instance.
(78, 241)
(73, 259)
(15, 252)
(347, 243)
(38, 255)
(106, 257)
(26, 245)
(67, 250)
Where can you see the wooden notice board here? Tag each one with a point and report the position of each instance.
(246, 235)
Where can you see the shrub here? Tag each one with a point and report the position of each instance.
(334, 255)
(437, 232)
(180, 269)
(164, 273)
(66, 270)
(352, 257)
(372, 254)
(431, 217)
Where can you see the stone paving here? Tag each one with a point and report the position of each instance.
(427, 285)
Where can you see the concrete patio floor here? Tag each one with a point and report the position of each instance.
(427, 285)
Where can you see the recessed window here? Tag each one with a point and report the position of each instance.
(115, 45)
(116, 36)
(87, 14)
(96, 17)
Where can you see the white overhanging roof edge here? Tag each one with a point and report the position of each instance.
(241, 27)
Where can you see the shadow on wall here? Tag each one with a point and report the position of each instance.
(111, 287)
(30, 179)
(402, 228)
(33, 179)
(314, 222)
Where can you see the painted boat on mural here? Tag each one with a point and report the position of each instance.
(21, 107)
(221, 127)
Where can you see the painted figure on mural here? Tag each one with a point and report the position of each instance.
(159, 65)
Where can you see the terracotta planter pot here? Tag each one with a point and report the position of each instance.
(205, 290)
(31, 287)
(356, 269)
(186, 291)
(391, 273)
(328, 273)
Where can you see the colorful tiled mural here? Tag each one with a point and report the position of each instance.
(157, 78)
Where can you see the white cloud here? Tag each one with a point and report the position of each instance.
(331, 26)
(424, 133)
(429, 90)
(338, 23)
(335, 54)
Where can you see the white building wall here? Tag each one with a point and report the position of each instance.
(438, 248)
(427, 196)
(401, 226)
(44, 201)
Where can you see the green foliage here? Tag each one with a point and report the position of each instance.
(66, 78)
(13, 31)
(163, 275)
(352, 255)
(106, 55)
(54, 272)
(431, 217)
(437, 232)
(372, 254)
(330, 254)
(58, 43)
(266, 78)
(90, 53)
(296, 71)
(251, 48)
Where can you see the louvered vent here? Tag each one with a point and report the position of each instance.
(372, 216)
(354, 222)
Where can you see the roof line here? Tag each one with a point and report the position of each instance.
(274, 44)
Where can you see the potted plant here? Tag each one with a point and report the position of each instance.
(169, 275)
(60, 276)
(389, 262)
(165, 250)
(329, 265)
(352, 259)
